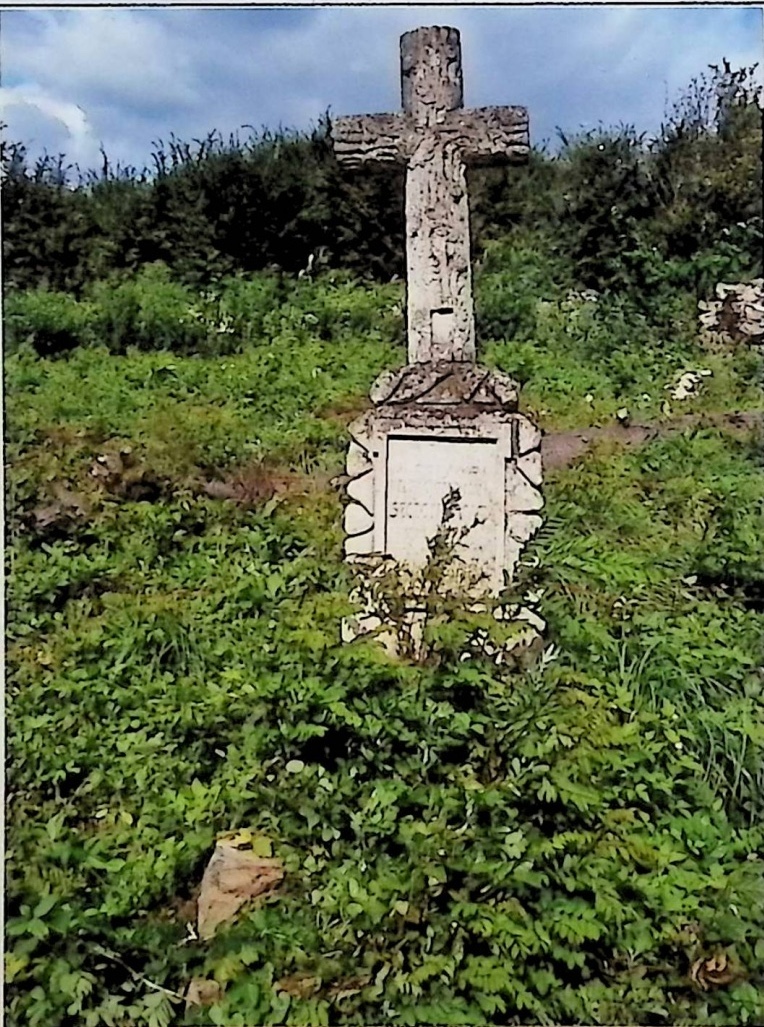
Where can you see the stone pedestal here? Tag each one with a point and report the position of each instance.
(442, 450)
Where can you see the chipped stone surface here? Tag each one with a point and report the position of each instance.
(521, 494)
(531, 466)
(358, 461)
(523, 526)
(448, 383)
(688, 384)
(529, 437)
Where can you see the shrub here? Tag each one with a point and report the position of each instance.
(513, 274)
(607, 198)
(175, 670)
(51, 322)
(148, 311)
(247, 302)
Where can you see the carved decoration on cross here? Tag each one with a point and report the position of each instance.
(435, 138)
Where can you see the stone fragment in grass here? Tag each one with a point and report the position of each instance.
(688, 384)
(233, 876)
(202, 992)
(299, 986)
(715, 971)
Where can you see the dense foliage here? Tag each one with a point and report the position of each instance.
(463, 844)
(622, 210)
(579, 842)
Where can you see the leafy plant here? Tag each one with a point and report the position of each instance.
(51, 323)
(175, 669)
(465, 840)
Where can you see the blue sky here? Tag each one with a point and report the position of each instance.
(73, 80)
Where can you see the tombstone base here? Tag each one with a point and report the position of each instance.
(443, 479)
(400, 627)
(444, 444)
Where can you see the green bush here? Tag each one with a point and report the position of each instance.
(147, 311)
(707, 168)
(513, 275)
(329, 307)
(249, 302)
(612, 205)
(463, 843)
(606, 203)
(151, 311)
(51, 323)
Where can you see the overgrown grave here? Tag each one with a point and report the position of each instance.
(581, 847)
(444, 453)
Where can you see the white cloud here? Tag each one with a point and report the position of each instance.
(71, 116)
(124, 56)
(32, 107)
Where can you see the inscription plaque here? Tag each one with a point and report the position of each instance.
(426, 472)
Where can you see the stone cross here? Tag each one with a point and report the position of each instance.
(435, 138)
(443, 452)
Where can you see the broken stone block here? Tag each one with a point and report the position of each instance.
(736, 315)
(202, 992)
(233, 876)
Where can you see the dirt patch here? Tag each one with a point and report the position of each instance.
(255, 484)
(68, 500)
(123, 474)
(560, 449)
(62, 512)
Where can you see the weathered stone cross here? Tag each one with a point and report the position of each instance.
(435, 138)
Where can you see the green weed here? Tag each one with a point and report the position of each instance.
(463, 843)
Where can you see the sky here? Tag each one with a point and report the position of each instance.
(76, 80)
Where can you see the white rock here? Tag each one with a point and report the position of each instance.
(357, 520)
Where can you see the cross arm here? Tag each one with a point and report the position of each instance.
(489, 135)
(381, 138)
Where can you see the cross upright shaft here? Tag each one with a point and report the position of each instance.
(435, 139)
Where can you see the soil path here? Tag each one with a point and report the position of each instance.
(255, 483)
(560, 449)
